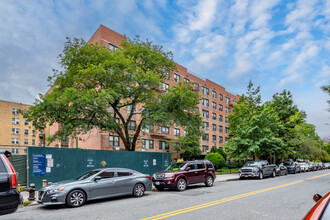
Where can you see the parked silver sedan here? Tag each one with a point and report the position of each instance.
(95, 184)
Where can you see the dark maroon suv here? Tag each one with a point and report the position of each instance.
(180, 175)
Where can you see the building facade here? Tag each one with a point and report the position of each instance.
(214, 107)
(16, 133)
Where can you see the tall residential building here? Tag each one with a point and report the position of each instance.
(214, 107)
(16, 133)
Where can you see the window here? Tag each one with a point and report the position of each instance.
(220, 128)
(15, 141)
(26, 132)
(33, 133)
(196, 86)
(220, 107)
(220, 97)
(214, 138)
(121, 173)
(226, 120)
(163, 145)
(214, 127)
(164, 130)
(205, 114)
(226, 130)
(33, 142)
(165, 87)
(112, 47)
(226, 140)
(214, 116)
(220, 139)
(200, 165)
(205, 90)
(107, 174)
(41, 132)
(26, 141)
(15, 121)
(15, 111)
(25, 151)
(15, 130)
(205, 148)
(227, 100)
(205, 102)
(221, 118)
(26, 122)
(186, 80)
(166, 74)
(205, 137)
(131, 125)
(227, 110)
(129, 108)
(176, 132)
(147, 128)
(113, 140)
(185, 133)
(206, 125)
(147, 144)
(14, 150)
(192, 166)
(214, 105)
(176, 77)
(214, 94)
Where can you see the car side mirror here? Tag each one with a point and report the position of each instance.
(317, 197)
(97, 178)
(188, 168)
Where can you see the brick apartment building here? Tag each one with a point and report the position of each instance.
(214, 107)
(16, 133)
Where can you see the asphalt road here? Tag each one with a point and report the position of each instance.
(286, 197)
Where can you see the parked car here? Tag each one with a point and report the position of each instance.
(281, 170)
(311, 166)
(180, 175)
(95, 184)
(318, 165)
(257, 169)
(321, 210)
(10, 197)
(293, 167)
(303, 166)
(326, 165)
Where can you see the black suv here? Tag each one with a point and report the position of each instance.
(10, 198)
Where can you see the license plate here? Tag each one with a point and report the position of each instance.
(157, 183)
(246, 175)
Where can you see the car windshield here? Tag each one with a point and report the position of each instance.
(288, 164)
(253, 164)
(176, 166)
(88, 174)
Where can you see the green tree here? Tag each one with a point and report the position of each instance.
(254, 128)
(103, 89)
(215, 158)
(326, 89)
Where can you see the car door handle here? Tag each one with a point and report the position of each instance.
(196, 172)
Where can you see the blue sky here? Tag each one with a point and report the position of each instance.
(276, 44)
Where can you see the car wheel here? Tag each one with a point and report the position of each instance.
(295, 171)
(261, 175)
(286, 173)
(76, 198)
(160, 188)
(209, 181)
(181, 185)
(274, 173)
(138, 190)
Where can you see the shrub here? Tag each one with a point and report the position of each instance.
(215, 158)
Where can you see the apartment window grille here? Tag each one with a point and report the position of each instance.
(15, 130)
(176, 78)
(147, 144)
(113, 140)
(164, 130)
(15, 121)
(205, 114)
(214, 105)
(220, 107)
(163, 145)
(214, 116)
(176, 132)
(131, 125)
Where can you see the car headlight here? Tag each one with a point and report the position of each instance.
(240, 170)
(168, 174)
(56, 190)
(154, 176)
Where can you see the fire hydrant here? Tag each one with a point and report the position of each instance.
(32, 191)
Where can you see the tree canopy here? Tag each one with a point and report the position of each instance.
(107, 90)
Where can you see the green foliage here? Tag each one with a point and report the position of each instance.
(215, 158)
(220, 151)
(97, 87)
(326, 89)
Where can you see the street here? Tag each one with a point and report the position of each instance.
(285, 197)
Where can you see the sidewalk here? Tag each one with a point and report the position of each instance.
(25, 195)
(227, 177)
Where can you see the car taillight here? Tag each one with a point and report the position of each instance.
(149, 177)
(12, 174)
